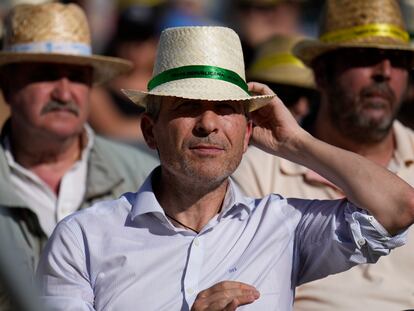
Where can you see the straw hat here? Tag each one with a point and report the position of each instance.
(204, 63)
(275, 63)
(357, 23)
(54, 33)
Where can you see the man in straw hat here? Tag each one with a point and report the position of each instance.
(361, 64)
(51, 163)
(188, 239)
(276, 66)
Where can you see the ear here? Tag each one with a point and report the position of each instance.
(147, 127)
(249, 130)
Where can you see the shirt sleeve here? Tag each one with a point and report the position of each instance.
(333, 236)
(62, 273)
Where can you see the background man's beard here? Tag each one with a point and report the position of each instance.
(354, 124)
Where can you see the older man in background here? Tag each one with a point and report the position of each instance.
(51, 162)
(361, 65)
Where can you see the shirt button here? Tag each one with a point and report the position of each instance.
(361, 242)
(190, 291)
(371, 219)
(196, 242)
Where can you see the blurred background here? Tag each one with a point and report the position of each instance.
(130, 29)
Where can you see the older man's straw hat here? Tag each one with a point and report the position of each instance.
(275, 63)
(204, 63)
(54, 33)
(357, 23)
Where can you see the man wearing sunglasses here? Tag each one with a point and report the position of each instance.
(362, 74)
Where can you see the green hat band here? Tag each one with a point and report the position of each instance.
(198, 71)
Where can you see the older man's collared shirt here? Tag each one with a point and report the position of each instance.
(387, 285)
(49, 207)
(126, 254)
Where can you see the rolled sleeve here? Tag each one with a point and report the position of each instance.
(371, 238)
(333, 236)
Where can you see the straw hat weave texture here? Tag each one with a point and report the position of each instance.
(205, 63)
(55, 33)
(23, 28)
(357, 23)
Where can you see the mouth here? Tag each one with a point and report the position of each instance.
(207, 150)
(378, 95)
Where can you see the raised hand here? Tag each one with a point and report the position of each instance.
(275, 129)
(225, 296)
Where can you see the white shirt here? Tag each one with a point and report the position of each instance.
(49, 207)
(126, 255)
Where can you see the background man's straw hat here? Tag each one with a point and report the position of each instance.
(54, 33)
(203, 63)
(275, 63)
(357, 23)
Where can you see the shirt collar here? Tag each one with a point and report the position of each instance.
(146, 202)
(235, 202)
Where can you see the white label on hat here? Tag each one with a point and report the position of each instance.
(51, 47)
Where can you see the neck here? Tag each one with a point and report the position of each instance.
(48, 159)
(189, 205)
(379, 152)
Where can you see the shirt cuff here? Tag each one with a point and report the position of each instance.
(370, 235)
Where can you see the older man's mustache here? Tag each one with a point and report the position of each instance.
(55, 105)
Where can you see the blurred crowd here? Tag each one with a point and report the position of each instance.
(130, 30)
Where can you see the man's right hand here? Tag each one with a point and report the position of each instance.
(225, 296)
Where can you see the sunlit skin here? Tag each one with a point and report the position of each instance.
(200, 143)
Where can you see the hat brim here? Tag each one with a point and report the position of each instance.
(308, 50)
(105, 67)
(200, 89)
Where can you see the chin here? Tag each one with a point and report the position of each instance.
(64, 131)
(211, 175)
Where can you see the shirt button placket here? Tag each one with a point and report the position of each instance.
(193, 270)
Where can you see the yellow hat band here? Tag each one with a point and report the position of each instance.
(277, 60)
(363, 31)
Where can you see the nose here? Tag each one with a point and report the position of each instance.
(61, 90)
(207, 123)
(382, 70)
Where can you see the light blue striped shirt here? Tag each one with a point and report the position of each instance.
(126, 255)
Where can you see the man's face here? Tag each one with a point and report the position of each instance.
(366, 92)
(199, 141)
(49, 99)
